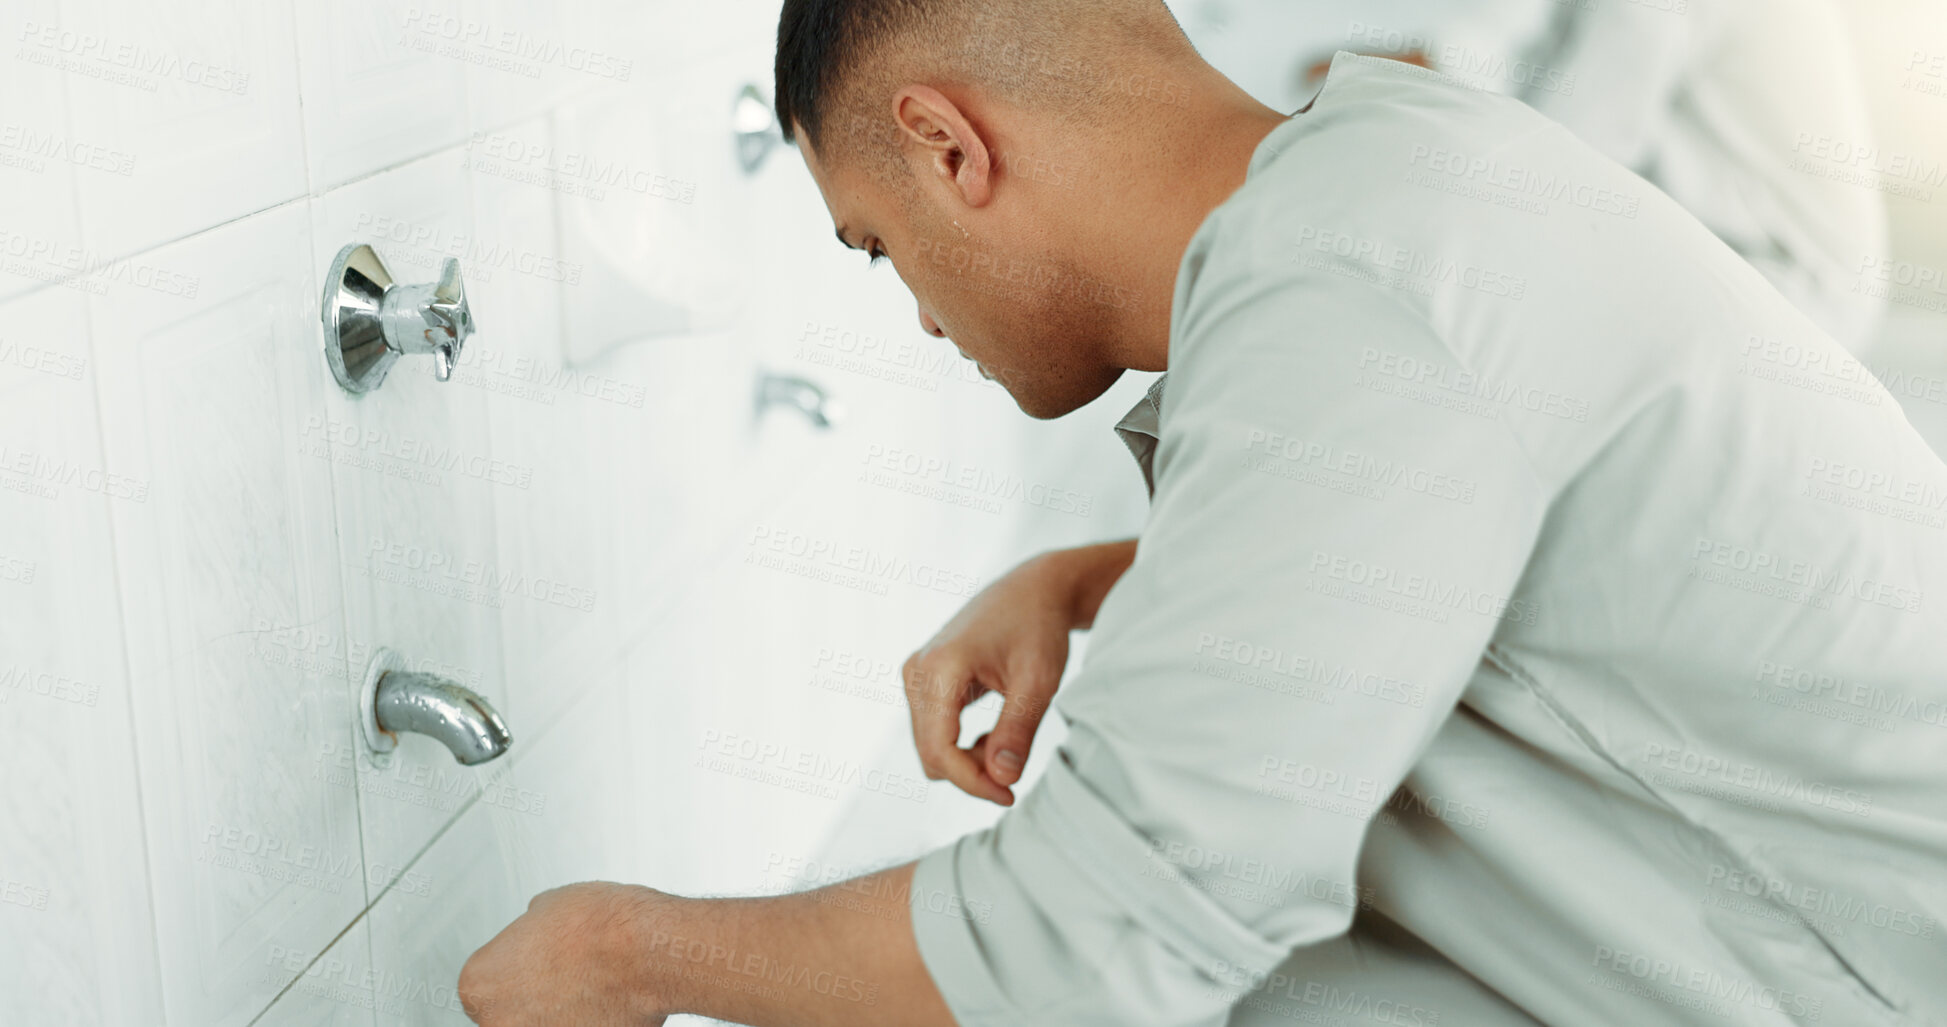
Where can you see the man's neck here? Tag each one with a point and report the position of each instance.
(1179, 171)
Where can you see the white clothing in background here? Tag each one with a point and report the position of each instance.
(1753, 116)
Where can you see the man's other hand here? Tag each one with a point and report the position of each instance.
(1012, 638)
(574, 957)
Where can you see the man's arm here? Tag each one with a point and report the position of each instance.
(835, 956)
(1331, 544)
(844, 954)
(1094, 570)
(598, 954)
(1012, 640)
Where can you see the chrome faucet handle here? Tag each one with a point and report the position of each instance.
(370, 321)
(444, 319)
(801, 394)
(754, 124)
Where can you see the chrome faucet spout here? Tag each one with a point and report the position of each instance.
(401, 700)
(452, 714)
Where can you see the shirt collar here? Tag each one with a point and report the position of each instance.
(1140, 428)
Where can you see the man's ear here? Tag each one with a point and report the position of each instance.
(952, 149)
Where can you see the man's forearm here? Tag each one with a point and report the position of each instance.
(839, 956)
(1093, 570)
(836, 956)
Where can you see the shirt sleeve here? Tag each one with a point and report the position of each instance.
(1335, 534)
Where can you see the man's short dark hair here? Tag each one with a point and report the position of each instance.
(815, 40)
(1065, 52)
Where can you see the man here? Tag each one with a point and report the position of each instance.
(1537, 617)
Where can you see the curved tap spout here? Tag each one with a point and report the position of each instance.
(397, 699)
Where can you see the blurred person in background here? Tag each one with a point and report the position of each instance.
(1750, 115)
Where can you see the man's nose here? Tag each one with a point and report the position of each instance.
(931, 326)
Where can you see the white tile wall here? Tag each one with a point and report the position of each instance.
(651, 206)
(209, 116)
(209, 388)
(40, 230)
(334, 989)
(378, 90)
(205, 843)
(552, 421)
(77, 939)
(533, 54)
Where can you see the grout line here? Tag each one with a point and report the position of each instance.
(128, 668)
(369, 906)
(292, 983)
(56, 283)
(95, 386)
(311, 192)
(297, 72)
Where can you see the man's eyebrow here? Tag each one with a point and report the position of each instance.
(840, 232)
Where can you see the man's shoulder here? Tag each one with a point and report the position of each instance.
(1367, 100)
(1332, 195)
(1424, 234)
(1377, 136)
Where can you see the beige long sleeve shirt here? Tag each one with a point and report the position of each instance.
(1521, 565)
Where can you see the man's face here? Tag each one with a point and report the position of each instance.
(1029, 319)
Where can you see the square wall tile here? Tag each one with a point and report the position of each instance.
(384, 84)
(223, 529)
(334, 989)
(195, 99)
(40, 232)
(77, 943)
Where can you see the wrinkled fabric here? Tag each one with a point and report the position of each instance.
(1523, 571)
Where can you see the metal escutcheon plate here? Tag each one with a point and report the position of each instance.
(354, 337)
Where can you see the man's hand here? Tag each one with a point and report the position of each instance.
(1012, 638)
(611, 955)
(575, 957)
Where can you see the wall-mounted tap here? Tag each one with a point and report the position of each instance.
(398, 699)
(754, 125)
(798, 393)
(370, 320)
